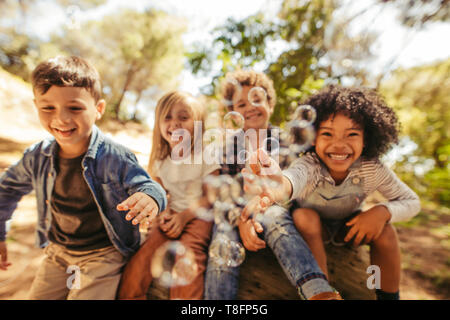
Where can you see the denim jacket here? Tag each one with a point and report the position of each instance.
(111, 171)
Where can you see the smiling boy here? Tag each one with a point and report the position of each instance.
(82, 180)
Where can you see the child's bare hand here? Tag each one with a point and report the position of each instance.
(367, 225)
(265, 181)
(262, 164)
(4, 264)
(248, 231)
(165, 216)
(254, 206)
(140, 205)
(174, 224)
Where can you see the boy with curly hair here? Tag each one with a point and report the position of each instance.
(280, 234)
(354, 128)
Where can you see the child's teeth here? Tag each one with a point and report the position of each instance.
(338, 156)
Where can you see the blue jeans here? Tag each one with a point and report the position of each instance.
(292, 252)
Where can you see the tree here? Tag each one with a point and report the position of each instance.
(420, 98)
(418, 13)
(133, 52)
(19, 48)
(315, 50)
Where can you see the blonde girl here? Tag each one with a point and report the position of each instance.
(172, 164)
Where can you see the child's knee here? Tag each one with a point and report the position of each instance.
(387, 239)
(307, 221)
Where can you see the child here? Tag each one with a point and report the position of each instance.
(354, 128)
(176, 113)
(280, 234)
(82, 180)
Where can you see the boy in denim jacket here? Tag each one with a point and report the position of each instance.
(82, 181)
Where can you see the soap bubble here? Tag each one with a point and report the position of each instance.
(212, 184)
(236, 86)
(204, 214)
(174, 264)
(300, 137)
(257, 96)
(305, 115)
(236, 191)
(73, 13)
(233, 120)
(225, 251)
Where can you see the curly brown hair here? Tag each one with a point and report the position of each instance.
(248, 78)
(366, 108)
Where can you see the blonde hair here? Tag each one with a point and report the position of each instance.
(160, 147)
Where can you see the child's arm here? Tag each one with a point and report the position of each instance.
(402, 204)
(147, 197)
(264, 166)
(4, 264)
(14, 184)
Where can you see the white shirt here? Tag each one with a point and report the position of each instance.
(183, 181)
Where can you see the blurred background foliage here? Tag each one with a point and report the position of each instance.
(141, 54)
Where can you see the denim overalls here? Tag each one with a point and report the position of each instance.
(335, 204)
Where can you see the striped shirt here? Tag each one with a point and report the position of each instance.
(306, 173)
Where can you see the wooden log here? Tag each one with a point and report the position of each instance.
(347, 271)
(262, 278)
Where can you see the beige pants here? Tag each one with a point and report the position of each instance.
(78, 275)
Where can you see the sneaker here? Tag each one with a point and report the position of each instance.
(331, 295)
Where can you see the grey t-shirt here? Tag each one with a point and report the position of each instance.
(76, 222)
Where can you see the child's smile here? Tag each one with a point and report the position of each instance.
(68, 113)
(339, 143)
(64, 133)
(339, 156)
(256, 116)
(178, 117)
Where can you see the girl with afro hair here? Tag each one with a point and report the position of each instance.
(354, 128)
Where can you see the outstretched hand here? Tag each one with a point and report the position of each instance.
(265, 182)
(140, 206)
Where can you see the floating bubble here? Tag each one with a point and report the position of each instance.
(257, 96)
(73, 13)
(174, 264)
(237, 192)
(243, 156)
(204, 214)
(225, 251)
(233, 216)
(233, 120)
(213, 135)
(305, 115)
(231, 85)
(300, 137)
(284, 157)
(212, 184)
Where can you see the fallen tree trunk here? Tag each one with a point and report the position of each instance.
(262, 278)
